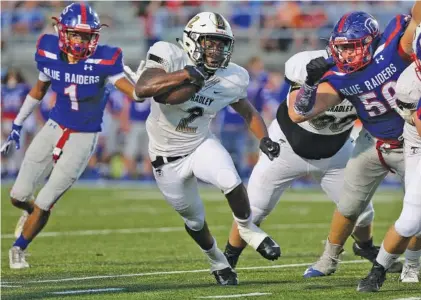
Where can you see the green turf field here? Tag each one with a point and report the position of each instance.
(129, 244)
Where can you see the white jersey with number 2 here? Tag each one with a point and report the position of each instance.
(176, 130)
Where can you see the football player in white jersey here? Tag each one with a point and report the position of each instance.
(408, 90)
(181, 146)
(320, 147)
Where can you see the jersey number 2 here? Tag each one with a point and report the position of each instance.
(71, 91)
(194, 113)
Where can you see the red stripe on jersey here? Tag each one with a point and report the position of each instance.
(327, 74)
(83, 12)
(395, 32)
(41, 52)
(342, 22)
(112, 60)
(419, 113)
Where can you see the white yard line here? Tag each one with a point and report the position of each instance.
(235, 296)
(9, 286)
(172, 229)
(359, 261)
(71, 292)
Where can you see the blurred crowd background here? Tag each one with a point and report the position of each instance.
(267, 34)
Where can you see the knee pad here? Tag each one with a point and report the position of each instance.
(21, 194)
(366, 217)
(351, 209)
(228, 179)
(409, 222)
(195, 223)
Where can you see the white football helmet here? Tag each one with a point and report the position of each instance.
(204, 27)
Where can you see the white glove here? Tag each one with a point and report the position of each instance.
(134, 76)
(406, 110)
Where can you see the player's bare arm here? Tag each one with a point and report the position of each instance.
(251, 117)
(257, 126)
(325, 98)
(39, 90)
(408, 36)
(125, 86)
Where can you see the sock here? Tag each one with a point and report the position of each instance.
(242, 222)
(230, 249)
(333, 250)
(21, 242)
(366, 244)
(216, 258)
(386, 259)
(412, 257)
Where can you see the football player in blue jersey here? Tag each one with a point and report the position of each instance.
(77, 69)
(366, 65)
(408, 91)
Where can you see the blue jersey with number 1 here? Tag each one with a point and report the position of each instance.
(79, 87)
(372, 89)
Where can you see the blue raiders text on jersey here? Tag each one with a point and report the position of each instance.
(79, 87)
(372, 90)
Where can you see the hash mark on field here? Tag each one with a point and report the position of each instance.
(172, 229)
(359, 261)
(235, 296)
(87, 291)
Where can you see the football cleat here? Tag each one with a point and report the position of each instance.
(374, 280)
(370, 253)
(269, 249)
(21, 222)
(226, 276)
(410, 273)
(260, 241)
(17, 258)
(327, 263)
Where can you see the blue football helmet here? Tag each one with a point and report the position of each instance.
(416, 47)
(354, 40)
(78, 29)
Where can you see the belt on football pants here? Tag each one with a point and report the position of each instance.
(384, 145)
(58, 150)
(162, 160)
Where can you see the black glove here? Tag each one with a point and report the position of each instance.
(316, 68)
(269, 147)
(197, 74)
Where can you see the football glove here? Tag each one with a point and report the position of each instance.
(14, 137)
(197, 74)
(316, 68)
(269, 147)
(134, 76)
(406, 110)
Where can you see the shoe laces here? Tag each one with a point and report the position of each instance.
(410, 270)
(18, 255)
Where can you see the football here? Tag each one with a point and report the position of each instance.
(179, 94)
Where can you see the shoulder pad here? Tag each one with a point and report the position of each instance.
(395, 28)
(47, 48)
(105, 55)
(237, 75)
(408, 87)
(295, 67)
(238, 79)
(163, 55)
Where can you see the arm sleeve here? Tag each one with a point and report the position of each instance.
(42, 77)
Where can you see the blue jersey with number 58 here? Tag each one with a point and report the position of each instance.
(372, 90)
(79, 87)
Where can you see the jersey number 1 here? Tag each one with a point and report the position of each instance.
(71, 91)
